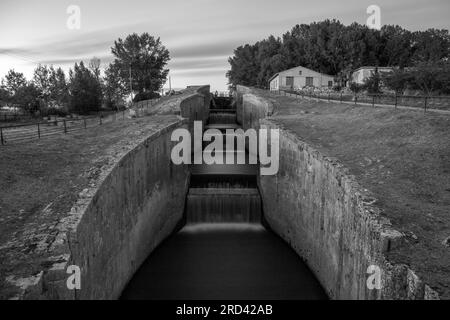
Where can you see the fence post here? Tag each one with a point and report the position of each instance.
(329, 96)
(39, 131)
(425, 106)
(65, 126)
(341, 97)
(356, 99)
(396, 100)
(373, 101)
(1, 136)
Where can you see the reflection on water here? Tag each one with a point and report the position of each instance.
(224, 261)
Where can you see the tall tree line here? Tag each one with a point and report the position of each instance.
(333, 48)
(139, 58)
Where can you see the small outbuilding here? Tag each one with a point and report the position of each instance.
(300, 77)
(360, 75)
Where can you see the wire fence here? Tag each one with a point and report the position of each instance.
(43, 129)
(14, 117)
(421, 102)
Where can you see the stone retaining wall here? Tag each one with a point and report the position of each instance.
(332, 222)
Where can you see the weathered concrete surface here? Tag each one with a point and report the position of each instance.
(115, 223)
(329, 219)
(252, 107)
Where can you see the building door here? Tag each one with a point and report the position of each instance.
(290, 82)
(309, 81)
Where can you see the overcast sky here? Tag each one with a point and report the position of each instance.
(200, 34)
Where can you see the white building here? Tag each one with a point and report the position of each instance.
(360, 75)
(300, 77)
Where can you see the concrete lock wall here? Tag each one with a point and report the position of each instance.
(317, 207)
(195, 107)
(128, 217)
(117, 222)
(251, 108)
(113, 228)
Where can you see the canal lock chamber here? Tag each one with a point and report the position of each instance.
(223, 249)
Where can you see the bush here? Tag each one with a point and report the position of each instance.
(355, 87)
(142, 96)
(53, 111)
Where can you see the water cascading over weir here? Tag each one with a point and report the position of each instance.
(224, 193)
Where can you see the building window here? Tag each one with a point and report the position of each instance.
(309, 81)
(330, 84)
(289, 82)
(300, 72)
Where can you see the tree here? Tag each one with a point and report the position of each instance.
(244, 66)
(397, 80)
(356, 87)
(4, 95)
(431, 77)
(94, 66)
(397, 46)
(147, 59)
(85, 90)
(59, 91)
(28, 98)
(41, 80)
(114, 89)
(373, 83)
(13, 81)
(430, 46)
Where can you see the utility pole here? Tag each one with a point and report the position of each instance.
(131, 86)
(170, 84)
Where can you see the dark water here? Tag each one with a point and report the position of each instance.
(223, 261)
